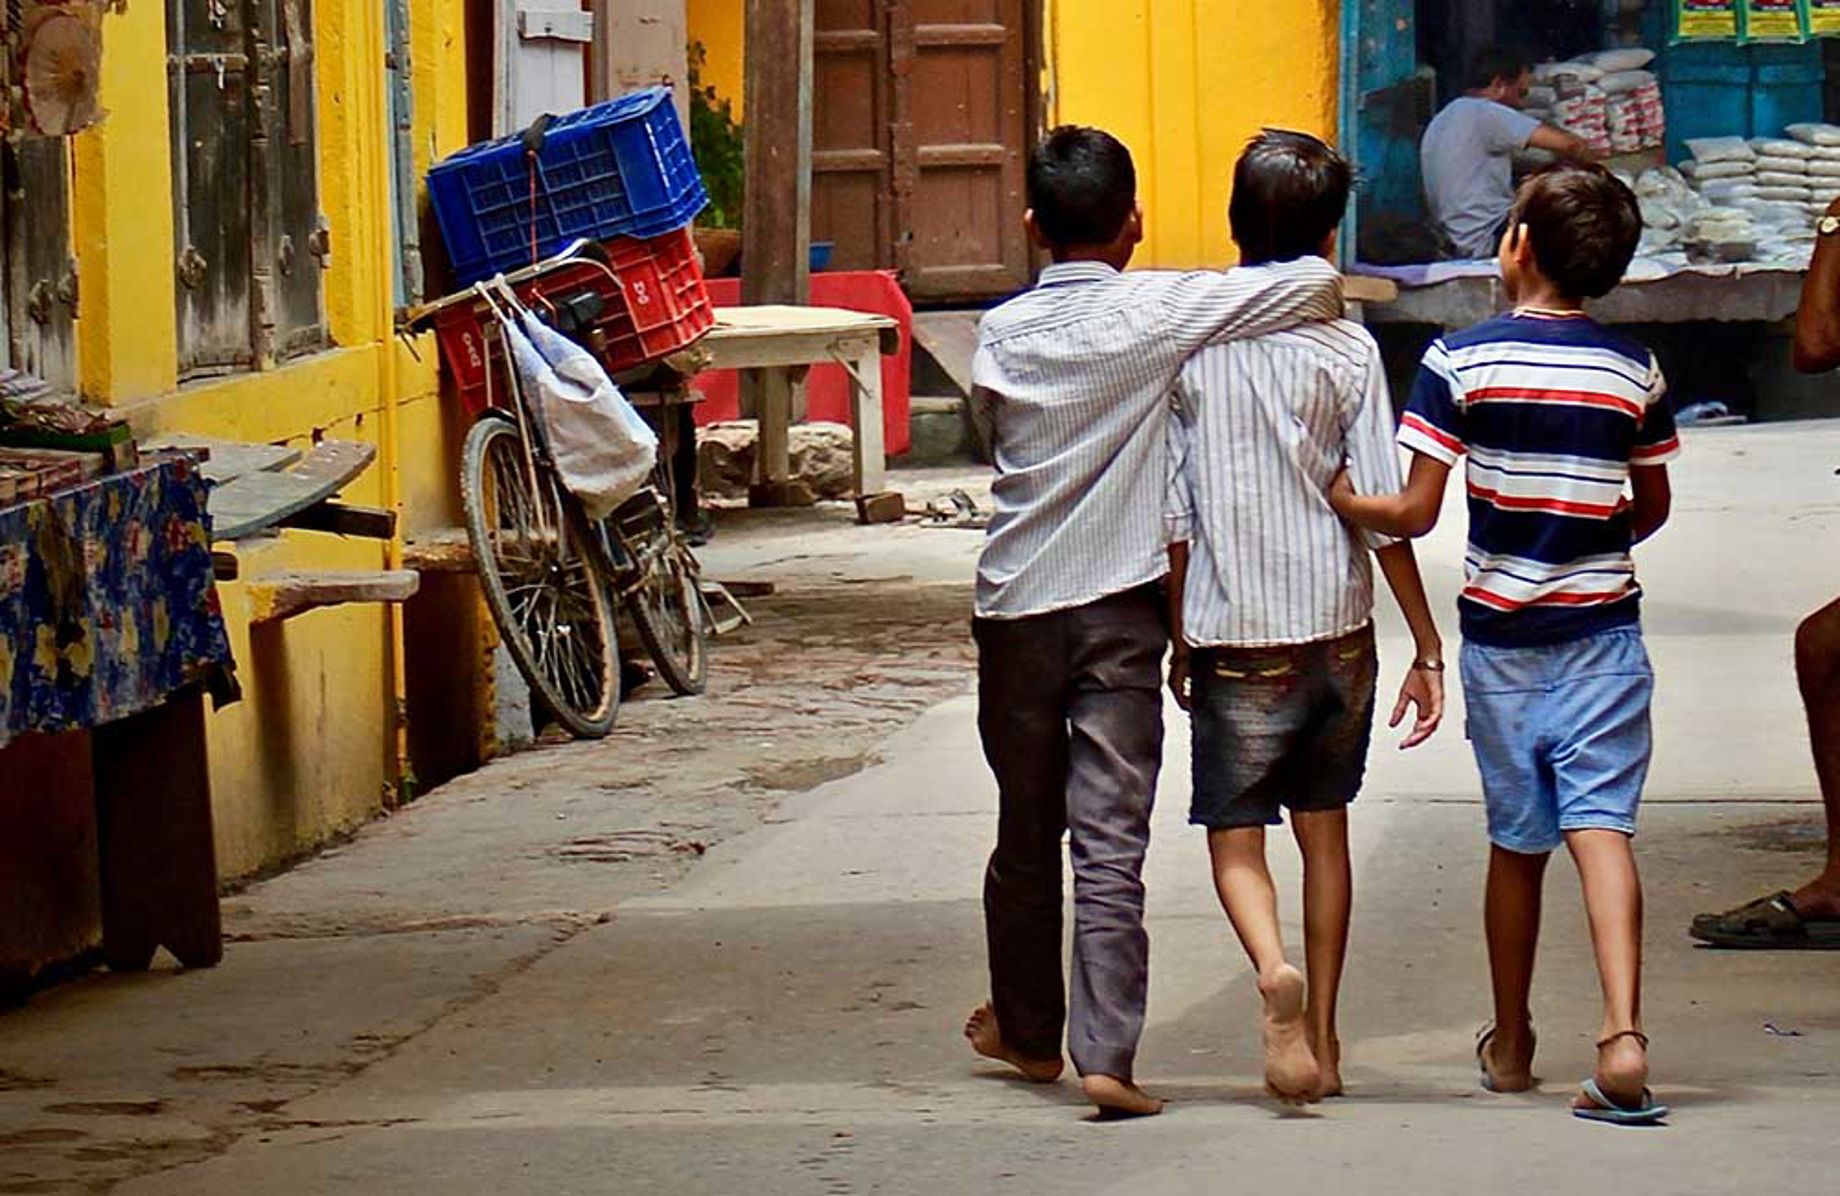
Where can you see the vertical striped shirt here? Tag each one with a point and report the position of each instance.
(1075, 378)
(1553, 413)
(1261, 429)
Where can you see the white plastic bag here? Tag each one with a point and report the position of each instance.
(601, 448)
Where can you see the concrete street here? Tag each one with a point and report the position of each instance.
(730, 950)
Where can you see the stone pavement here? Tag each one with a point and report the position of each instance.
(759, 989)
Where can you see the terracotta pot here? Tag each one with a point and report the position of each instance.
(719, 248)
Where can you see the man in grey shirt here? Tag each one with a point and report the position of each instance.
(1468, 153)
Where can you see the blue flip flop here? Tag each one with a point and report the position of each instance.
(1611, 1113)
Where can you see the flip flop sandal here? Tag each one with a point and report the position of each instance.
(1485, 1036)
(1611, 1112)
(1607, 1111)
(1767, 924)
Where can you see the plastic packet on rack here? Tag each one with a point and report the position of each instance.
(1772, 21)
(1815, 133)
(602, 449)
(1705, 20)
(1824, 18)
(1721, 149)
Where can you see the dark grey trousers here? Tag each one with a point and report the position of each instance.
(1070, 710)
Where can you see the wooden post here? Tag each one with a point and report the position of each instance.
(776, 222)
(776, 226)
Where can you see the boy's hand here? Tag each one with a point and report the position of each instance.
(1178, 677)
(1341, 492)
(1424, 689)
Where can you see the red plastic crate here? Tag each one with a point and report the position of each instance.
(653, 303)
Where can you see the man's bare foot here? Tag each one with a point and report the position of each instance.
(1507, 1058)
(1291, 1071)
(1119, 1098)
(987, 1040)
(1622, 1069)
(1328, 1051)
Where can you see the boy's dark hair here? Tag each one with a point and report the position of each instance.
(1492, 63)
(1585, 223)
(1290, 191)
(1082, 186)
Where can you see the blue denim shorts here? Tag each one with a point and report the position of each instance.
(1561, 735)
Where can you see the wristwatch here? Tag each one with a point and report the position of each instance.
(1828, 226)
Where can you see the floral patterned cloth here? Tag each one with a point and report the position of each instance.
(107, 601)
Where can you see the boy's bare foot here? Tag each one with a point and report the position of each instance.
(987, 1040)
(1328, 1052)
(1622, 1068)
(1291, 1071)
(1119, 1098)
(1507, 1058)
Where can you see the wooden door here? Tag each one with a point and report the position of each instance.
(922, 116)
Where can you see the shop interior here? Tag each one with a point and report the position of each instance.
(1725, 140)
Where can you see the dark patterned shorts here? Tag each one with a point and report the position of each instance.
(1280, 728)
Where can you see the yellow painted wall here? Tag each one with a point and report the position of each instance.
(721, 26)
(1184, 83)
(310, 751)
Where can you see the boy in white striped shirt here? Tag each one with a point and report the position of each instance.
(1271, 598)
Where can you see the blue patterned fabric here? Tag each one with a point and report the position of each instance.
(107, 601)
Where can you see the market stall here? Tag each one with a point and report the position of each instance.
(1713, 110)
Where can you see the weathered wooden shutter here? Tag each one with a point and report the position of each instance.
(250, 242)
(213, 202)
(291, 250)
(38, 275)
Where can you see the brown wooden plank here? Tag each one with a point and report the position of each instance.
(272, 599)
(158, 856)
(371, 523)
(257, 501)
(229, 459)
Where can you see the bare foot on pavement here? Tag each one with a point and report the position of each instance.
(1291, 1070)
(1508, 1059)
(987, 1040)
(1120, 1098)
(1329, 1063)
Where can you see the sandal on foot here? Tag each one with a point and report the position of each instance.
(1603, 1109)
(1768, 924)
(1485, 1036)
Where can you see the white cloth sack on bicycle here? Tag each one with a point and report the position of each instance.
(603, 450)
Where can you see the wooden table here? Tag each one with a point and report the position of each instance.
(775, 346)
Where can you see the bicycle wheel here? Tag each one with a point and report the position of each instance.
(668, 612)
(658, 577)
(540, 582)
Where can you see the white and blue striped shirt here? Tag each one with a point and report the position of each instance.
(1075, 376)
(1261, 429)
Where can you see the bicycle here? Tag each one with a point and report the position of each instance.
(551, 577)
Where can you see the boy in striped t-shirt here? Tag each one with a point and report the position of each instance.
(1557, 415)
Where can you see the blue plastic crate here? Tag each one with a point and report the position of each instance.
(619, 169)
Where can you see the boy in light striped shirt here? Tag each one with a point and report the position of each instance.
(1557, 415)
(1271, 598)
